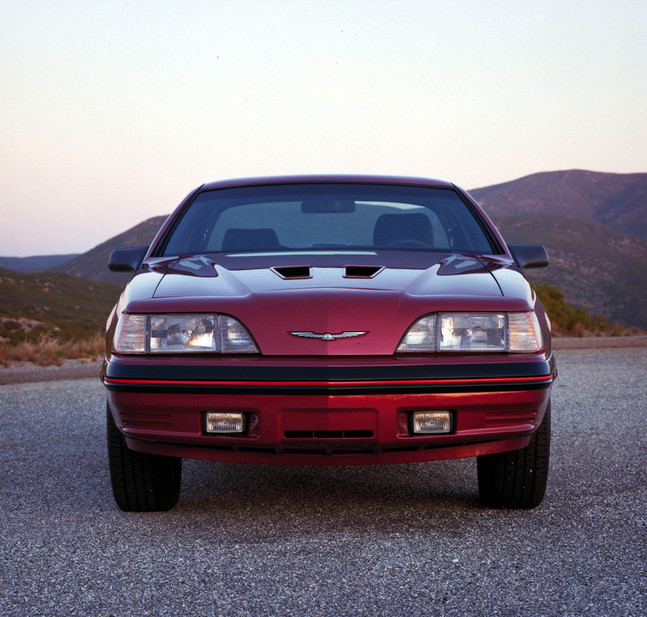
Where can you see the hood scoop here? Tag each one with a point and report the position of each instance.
(293, 272)
(362, 272)
(305, 272)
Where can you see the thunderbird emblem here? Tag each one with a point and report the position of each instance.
(327, 336)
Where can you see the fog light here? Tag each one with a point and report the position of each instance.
(431, 422)
(224, 422)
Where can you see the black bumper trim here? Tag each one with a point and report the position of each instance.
(328, 380)
(323, 390)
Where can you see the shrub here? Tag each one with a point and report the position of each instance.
(49, 350)
(567, 320)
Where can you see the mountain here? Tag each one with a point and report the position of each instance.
(37, 263)
(601, 270)
(617, 201)
(94, 263)
(68, 307)
(594, 226)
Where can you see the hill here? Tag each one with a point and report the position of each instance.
(617, 201)
(94, 263)
(603, 271)
(37, 263)
(594, 226)
(68, 307)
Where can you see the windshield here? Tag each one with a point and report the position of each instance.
(328, 217)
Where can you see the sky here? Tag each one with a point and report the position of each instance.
(111, 112)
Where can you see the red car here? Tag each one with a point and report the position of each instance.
(328, 320)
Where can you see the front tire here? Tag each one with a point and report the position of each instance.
(141, 482)
(517, 479)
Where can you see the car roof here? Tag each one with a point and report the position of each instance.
(328, 179)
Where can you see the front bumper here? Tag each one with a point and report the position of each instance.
(328, 411)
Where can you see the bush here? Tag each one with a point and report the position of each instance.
(50, 351)
(570, 321)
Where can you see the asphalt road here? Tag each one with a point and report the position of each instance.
(400, 541)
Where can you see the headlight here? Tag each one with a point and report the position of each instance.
(211, 333)
(182, 333)
(473, 332)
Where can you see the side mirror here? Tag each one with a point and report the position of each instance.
(127, 260)
(529, 255)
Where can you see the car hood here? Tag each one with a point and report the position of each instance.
(377, 295)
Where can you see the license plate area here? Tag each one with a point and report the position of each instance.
(340, 424)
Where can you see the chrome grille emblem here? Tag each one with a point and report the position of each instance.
(327, 336)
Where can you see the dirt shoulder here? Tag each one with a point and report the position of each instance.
(25, 372)
(603, 342)
(74, 369)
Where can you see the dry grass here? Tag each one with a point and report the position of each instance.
(50, 351)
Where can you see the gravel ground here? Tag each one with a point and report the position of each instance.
(248, 540)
